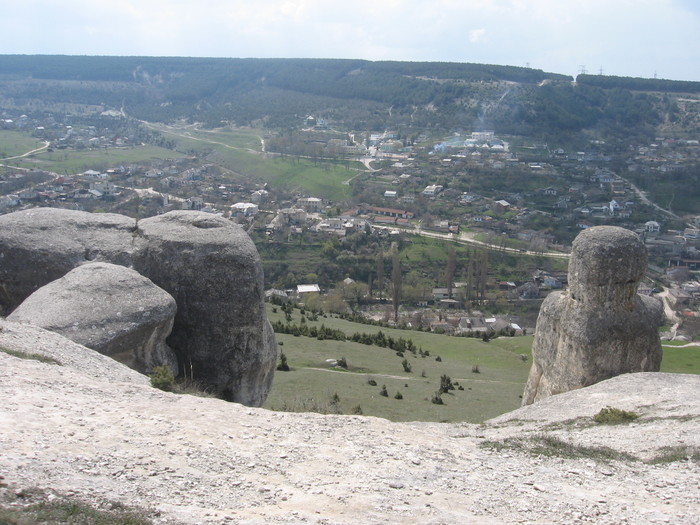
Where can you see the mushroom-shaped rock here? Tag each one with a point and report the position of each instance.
(600, 327)
(108, 308)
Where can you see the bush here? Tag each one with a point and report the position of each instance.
(398, 395)
(383, 391)
(342, 363)
(614, 416)
(437, 398)
(371, 382)
(475, 369)
(406, 366)
(445, 384)
(357, 409)
(283, 366)
(162, 378)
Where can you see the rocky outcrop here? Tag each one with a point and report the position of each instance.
(221, 335)
(40, 245)
(600, 327)
(213, 270)
(107, 308)
(94, 430)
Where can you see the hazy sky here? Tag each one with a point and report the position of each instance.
(621, 37)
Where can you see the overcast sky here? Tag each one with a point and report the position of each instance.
(622, 37)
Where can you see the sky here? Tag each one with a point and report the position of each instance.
(640, 38)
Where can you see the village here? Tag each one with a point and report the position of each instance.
(472, 186)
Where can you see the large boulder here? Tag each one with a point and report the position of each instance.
(108, 308)
(40, 245)
(209, 265)
(213, 270)
(600, 327)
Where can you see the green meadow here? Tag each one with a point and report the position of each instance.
(315, 384)
(14, 143)
(240, 151)
(492, 374)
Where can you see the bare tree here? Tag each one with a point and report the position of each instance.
(395, 281)
(380, 273)
(450, 271)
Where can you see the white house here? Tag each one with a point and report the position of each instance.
(245, 209)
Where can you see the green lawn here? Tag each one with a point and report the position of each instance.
(77, 161)
(684, 360)
(494, 390)
(239, 151)
(16, 143)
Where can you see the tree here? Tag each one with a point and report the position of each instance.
(450, 271)
(395, 281)
(380, 273)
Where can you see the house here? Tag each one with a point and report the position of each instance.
(259, 196)
(193, 203)
(432, 190)
(652, 227)
(275, 294)
(308, 288)
(244, 209)
(691, 233)
(312, 204)
(388, 194)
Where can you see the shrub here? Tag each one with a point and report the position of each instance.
(162, 378)
(383, 391)
(371, 382)
(445, 384)
(283, 366)
(342, 363)
(475, 369)
(438, 359)
(357, 409)
(406, 366)
(437, 398)
(398, 395)
(614, 416)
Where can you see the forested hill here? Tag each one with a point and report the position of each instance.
(357, 94)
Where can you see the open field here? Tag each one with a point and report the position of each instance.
(681, 360)
(77, 161)
(240, 151)
(312, 382)
(14, 143)
(496, 389)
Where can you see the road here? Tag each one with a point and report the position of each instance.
(468, 238)
(37, 150)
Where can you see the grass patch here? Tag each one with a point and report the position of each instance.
(33, 507)
(74, 161)
(614, 416)
(494, 391)
(14, 143)
(684, 360)
(239, 151)
(550, 446)
(678, 453)
(27, 355)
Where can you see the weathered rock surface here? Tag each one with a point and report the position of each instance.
(95, 429)
(40, 245)
(209, 265)
(600, 327)
(213, 270)
(108, 308)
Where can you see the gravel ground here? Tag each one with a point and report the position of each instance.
(94, 429)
